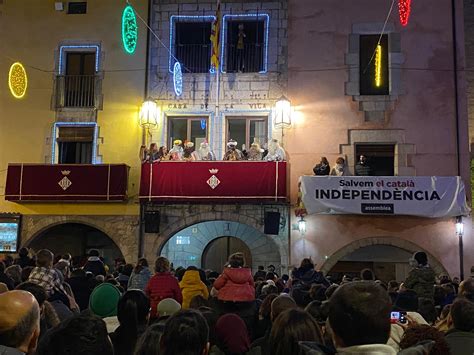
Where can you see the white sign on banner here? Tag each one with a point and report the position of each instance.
(427, 196)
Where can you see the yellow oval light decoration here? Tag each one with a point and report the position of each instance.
(17, 80)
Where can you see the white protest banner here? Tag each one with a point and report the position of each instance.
(427, 196)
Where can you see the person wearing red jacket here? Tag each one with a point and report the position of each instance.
(236, 291)
(235, 284)
(162, 285)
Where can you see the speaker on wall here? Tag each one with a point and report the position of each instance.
(152, 222)
(272, 223)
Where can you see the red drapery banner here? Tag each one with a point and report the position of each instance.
(66, 182)
(192, 181)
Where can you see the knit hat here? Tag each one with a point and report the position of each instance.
(421, 258)
(168, 307)
(104, 300)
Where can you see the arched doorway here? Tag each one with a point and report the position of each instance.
(217, 252)
(188, 246)
(76, 239)
(376, 251)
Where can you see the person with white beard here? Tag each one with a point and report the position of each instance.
(205, 153)
(176, 152)
(275, 152)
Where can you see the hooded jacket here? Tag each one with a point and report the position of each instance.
(235, 285)
(138, 281)
(191, 285)
(162, 285)
(421, 280)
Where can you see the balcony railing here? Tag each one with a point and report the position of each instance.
(214, 181)
(66, 182)
(194, 57)
(246, 60)
(78, 91)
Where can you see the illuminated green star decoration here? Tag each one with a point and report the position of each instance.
(129, 30)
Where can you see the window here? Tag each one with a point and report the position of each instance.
(246, 130)
(75, 145)
(246, 38)
(188, 129)
(380, 157)
(374, 75)
(191, 41)
(77, 7)
(181, 240)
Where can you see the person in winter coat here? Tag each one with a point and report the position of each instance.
(94, 264)
(340, 168)
(302, 279)
(236, 283)
(460, 338)
(322, 168)
(140, 276)
(162, 285)
(23, 259)
(191, 285)
(421, 278)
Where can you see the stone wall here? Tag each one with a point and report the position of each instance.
(177, 218)
(240, 93)
(123, 230)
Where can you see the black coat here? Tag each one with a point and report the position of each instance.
(363, 169)
(95, 267)
(7, 281)
(321, 169)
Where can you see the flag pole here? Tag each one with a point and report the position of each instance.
(216, 117)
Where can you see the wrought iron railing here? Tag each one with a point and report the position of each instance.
(246, 59)
(77, 91)
(194, 57)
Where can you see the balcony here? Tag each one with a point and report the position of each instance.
(78, 91)
(194, 57)
(66, 182)
(214, 181)
(249, 59)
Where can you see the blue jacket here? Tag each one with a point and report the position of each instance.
(139, 281)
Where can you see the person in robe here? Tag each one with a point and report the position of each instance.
(255, 152)
(176, 153)
(275, 152)
(232, 153)
(189, 154)
(205, 153)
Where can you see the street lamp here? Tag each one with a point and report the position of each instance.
(148, 117)
(460, 232)
(282, 114)
(302, 226)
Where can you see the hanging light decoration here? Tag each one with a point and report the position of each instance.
(149, 114)
(404, 9)
(378, 66)
(283, 113)
(129, 30)
(17, 80)
(178, 79)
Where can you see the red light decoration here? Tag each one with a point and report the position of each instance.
(404, 9)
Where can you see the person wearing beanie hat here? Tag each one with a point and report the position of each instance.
(421, 278)
(168, 307)
(103, 303)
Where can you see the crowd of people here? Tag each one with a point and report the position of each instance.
(186, 152)
(362, 167)
(62, 305)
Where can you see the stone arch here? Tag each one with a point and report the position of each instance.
(391, 241)
(119, 229)
(265, 249)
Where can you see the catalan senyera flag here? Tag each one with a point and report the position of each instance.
(215, 38)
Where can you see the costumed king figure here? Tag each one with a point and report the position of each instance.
(232, 153)
(205, 152)
(189, 154)
(176, 152)
(255, 152)
(275, 152)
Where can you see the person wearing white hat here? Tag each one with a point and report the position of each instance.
(275, 151)
(205, 153)
(176, 152)
(232, 153)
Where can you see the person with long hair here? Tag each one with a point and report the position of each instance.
(290, 328)
(149, 343)
(132, 312)
(139, 276)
